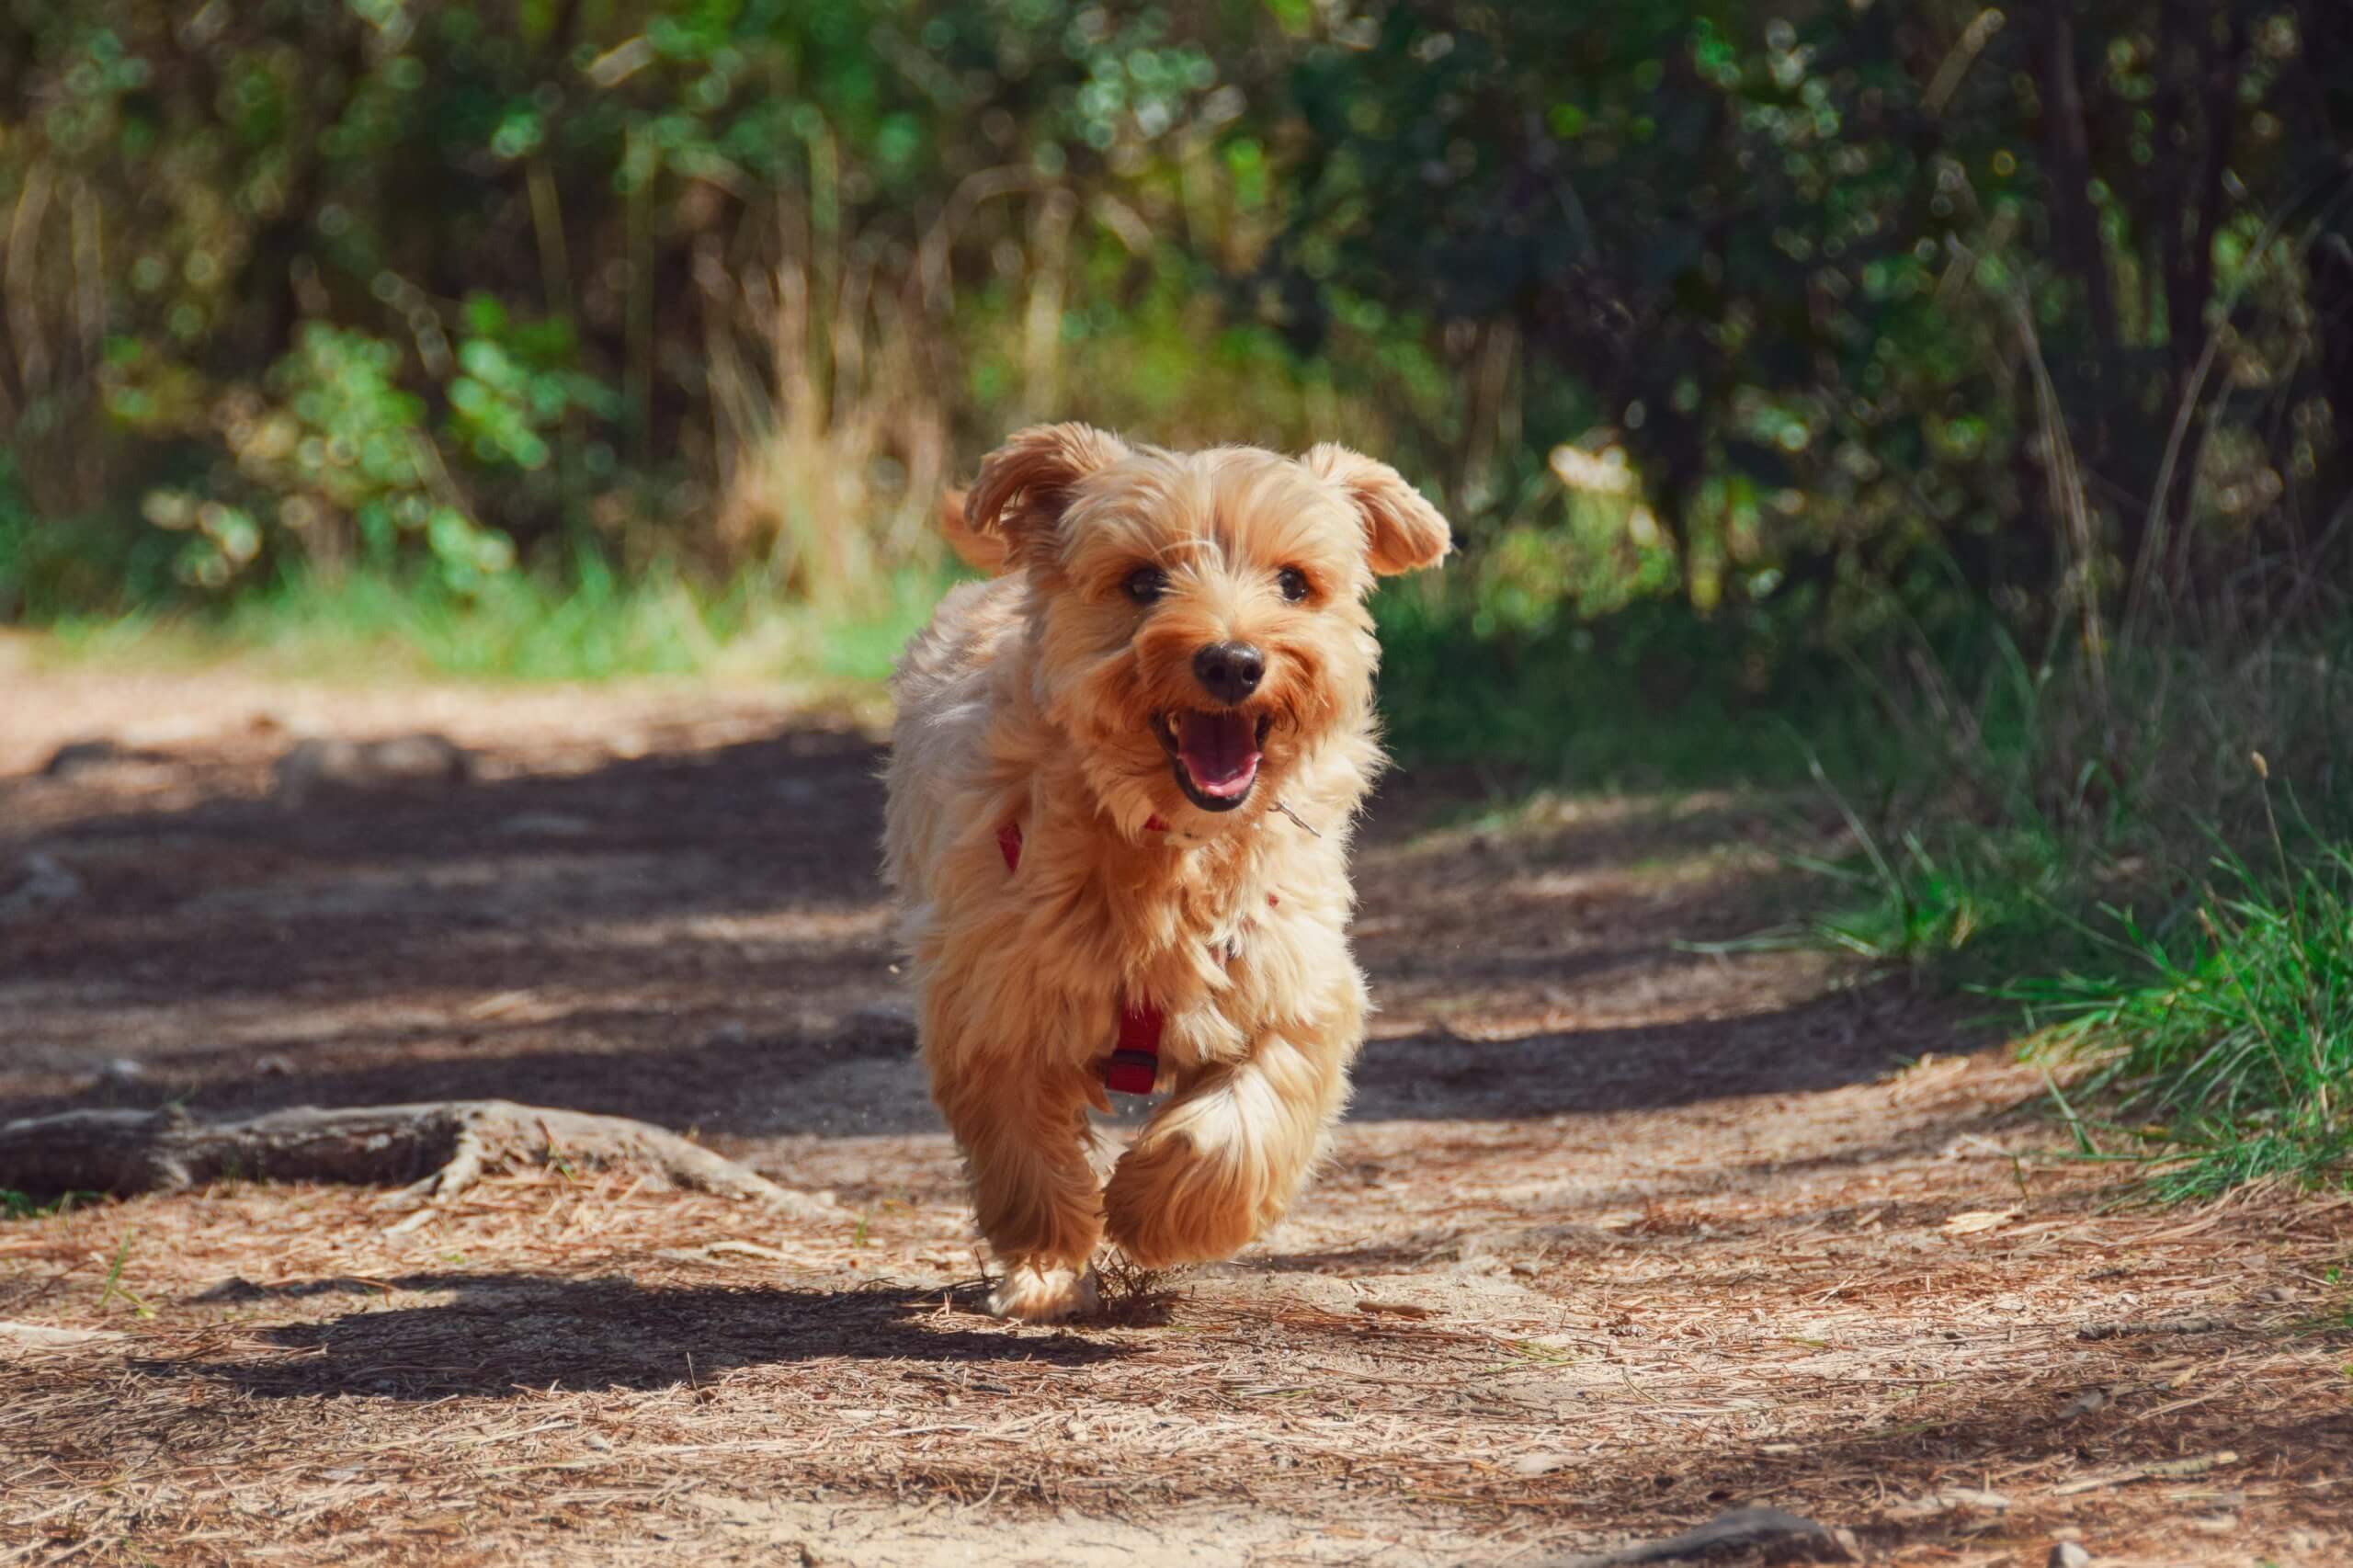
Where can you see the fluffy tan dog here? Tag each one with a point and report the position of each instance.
(1120, 790)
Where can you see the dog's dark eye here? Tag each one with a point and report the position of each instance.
(1292, 582)
(1147, 584)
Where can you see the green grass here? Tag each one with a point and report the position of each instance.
(1956, 898)
(1972, 902)
(589, 624)
(115, 1286)
(16, 1205)
(2225, 1040)
(1999, 844)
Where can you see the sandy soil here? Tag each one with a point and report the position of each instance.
(1620, 1235)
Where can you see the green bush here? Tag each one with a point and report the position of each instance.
(333, 460)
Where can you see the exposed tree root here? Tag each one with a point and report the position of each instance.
(432, 1152)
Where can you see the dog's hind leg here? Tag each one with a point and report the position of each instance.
(1221, 1162)
(1025, 1139)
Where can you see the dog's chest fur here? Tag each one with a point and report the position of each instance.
(1224, 937)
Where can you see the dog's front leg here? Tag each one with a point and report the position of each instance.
(1023, 1133)
(1221, 1161)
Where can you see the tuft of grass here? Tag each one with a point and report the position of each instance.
(16, 1205)
(2227, 1041)
(115, 1286)
(1968, 902)
(1973, 898)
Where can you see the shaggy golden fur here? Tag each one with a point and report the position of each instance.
(1068, 697)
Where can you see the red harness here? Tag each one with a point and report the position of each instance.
(1134, 1063)
(1133, 1066)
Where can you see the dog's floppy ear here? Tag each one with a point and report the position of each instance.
(1402, 531)
(983, 553)
(1025, 484)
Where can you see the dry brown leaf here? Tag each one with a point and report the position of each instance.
(1978, 1219)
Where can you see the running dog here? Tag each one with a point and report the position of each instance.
(1122, 781)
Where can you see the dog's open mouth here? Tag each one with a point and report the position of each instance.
(1214, 755)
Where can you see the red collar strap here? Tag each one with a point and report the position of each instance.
(1133, 1066)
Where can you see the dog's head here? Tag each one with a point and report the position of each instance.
(1199, 617)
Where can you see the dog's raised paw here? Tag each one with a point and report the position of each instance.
(1043, 1293)
(1171, 1203)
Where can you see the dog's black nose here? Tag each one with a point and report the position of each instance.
(1229, 671)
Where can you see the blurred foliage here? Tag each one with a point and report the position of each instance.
(1809, 265)
(1833, 318)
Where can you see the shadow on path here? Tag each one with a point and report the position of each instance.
(513, 1334)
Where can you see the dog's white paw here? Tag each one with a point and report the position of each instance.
(1036, 1293)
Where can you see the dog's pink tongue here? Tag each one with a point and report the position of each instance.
(1221, 751)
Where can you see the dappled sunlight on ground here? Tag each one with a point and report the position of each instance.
(1618, 1233)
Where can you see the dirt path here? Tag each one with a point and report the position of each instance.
(1619, 1237)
